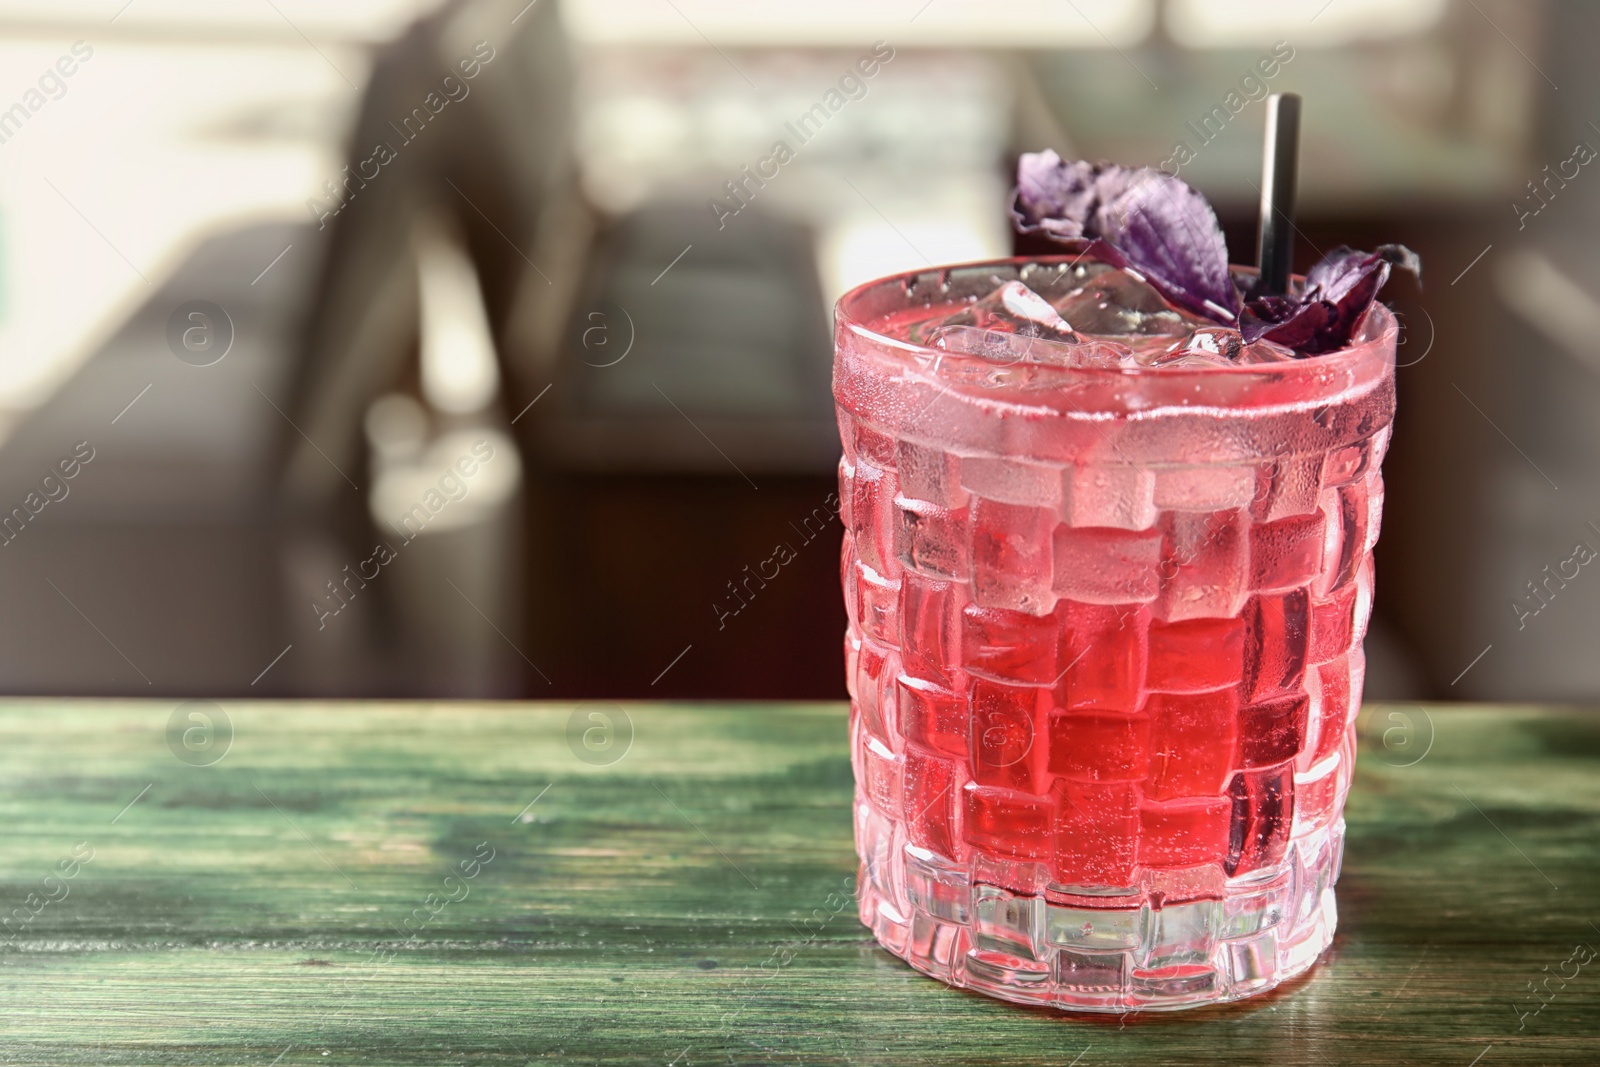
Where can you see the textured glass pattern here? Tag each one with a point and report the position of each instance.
(1104, 699)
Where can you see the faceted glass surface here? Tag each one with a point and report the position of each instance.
(1104, 651)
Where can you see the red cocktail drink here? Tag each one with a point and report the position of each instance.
(1105, 637)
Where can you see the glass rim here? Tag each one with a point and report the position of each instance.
(1374, 340)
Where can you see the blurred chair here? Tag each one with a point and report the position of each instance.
(485, 176)
(220, 500)
(225, 538)
(709, 375)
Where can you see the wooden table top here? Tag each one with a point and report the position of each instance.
(391, 883)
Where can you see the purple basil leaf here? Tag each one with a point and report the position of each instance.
(1054, 197)
(1169, 233)
(1337, 293)
(1340, 270)
(1162, 228)
(1262, 313)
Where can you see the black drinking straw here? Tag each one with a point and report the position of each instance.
(1279, 165)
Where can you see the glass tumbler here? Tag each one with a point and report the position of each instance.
(1104, 653)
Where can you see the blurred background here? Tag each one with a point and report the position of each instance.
(481, 347)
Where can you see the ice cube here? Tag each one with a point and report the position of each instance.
(1011, 348)
(1209, 346)
(1020, 302)
(1013, 308)
(1148, 350)
(1265, 351)
(1119, 303)
(1211, 341)
(1013, 325)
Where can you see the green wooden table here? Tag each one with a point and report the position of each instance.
(371, 884)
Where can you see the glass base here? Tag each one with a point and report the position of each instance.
(1081, 949)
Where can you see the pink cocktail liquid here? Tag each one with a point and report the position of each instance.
(1104, 653)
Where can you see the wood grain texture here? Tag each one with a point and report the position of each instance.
(681, 905)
